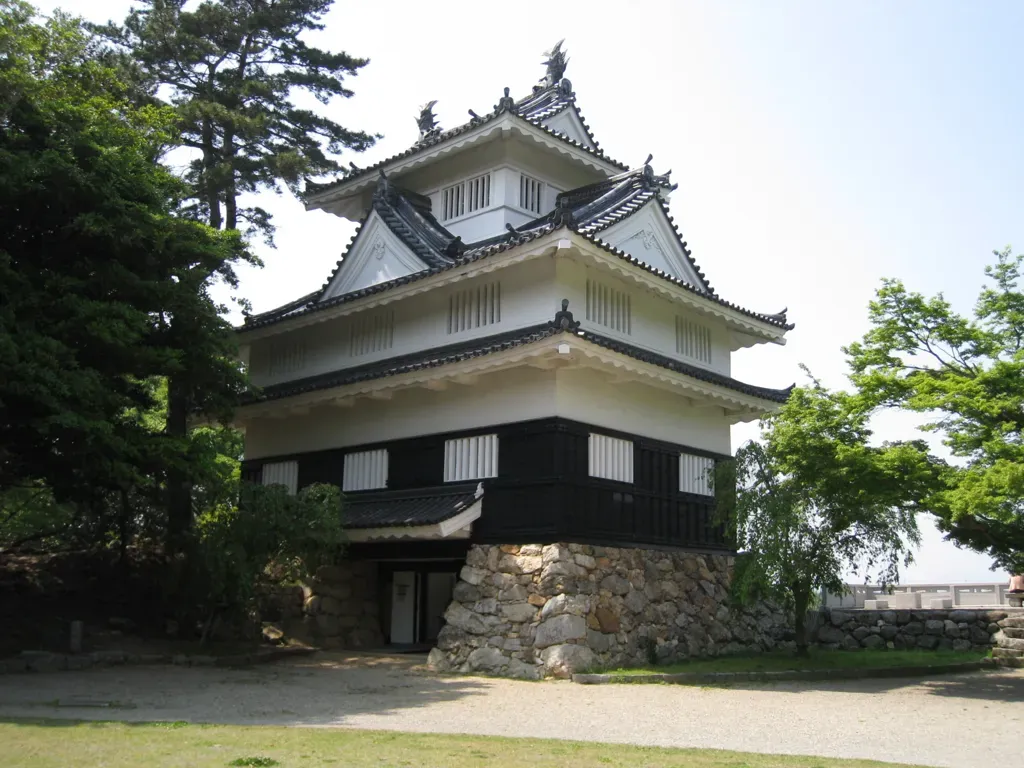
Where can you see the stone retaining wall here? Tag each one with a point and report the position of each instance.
(931, 629)
(529, 611)
(339, 607)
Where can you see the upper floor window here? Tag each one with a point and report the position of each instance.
(474, 307)
(696, 474)
(693, 339)
(531, 194)
(365, 470)
(286, 357)
(371, 332)
(609, 307)
(470, 458)
(610, 458)
(284, 473)
(466, 197)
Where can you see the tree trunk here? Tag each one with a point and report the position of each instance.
(801, 599)
(209, 183)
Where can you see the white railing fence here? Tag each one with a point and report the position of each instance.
(963, 595)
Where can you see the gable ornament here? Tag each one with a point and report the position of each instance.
(556, 62)
(563, 319)
(427, 122)
(506, 103)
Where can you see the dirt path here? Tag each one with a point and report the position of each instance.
(959, 721)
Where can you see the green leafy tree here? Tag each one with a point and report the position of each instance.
(813, 501)
(94, 268)
(965, 375)
(269, 529)
(237, 73)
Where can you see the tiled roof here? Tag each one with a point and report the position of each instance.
(545, 103)
(454, 353)
(533, 117)
(421, 506)
(693, 371)
(587, 210)
(415, 361)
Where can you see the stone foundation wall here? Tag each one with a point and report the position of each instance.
(956, 629)
(530, 611)
(341, 608)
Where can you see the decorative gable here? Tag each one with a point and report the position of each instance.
(375, 256)
(649, 236)
(568, 122)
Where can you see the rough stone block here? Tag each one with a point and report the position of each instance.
(465, 592)
(560, 629)
(460, 617)
(564, 660)
(615, 584)
(578, 605)
(930, 642)
(934, 627)
(487, 660)
(873, 641)
(830, 635)
(518, 612)
(472, 575)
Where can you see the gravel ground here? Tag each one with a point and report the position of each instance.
(959, 721)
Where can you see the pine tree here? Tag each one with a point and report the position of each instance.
(232, 69)
(94, 264)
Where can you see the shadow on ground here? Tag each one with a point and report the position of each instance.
(324, 689)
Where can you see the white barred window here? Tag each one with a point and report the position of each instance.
(611, 458)
(365, 470)
(474, 307)
(696, 474)
(693, 339)
(466, 197)
(531, 194)
(284, 473)
(372, 332)
(609, 307)
(470, 458)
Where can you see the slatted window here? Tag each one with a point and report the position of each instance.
(466, 197)
(470, 458)
(286, 357)
(696, 474)
(693, 340)
(365, 470)
(372, 332)
(474, 307)
(609, 307)
(611, 458)
(284, 473)
(531, 194)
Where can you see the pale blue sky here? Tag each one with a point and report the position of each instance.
(818, 146)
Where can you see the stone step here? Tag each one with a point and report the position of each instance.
(1015, 632)
(1007, 653)
(1016, 622)
(1010, 642)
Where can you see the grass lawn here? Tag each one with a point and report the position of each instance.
(70, 744)
(781, 661)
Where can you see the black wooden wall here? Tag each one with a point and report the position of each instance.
(543, 492)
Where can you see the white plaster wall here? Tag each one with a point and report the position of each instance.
(566, 122)
(529, 295)
(653, 317)
(498, 398)
(514, 395)
(586, 395)
(648, 236)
